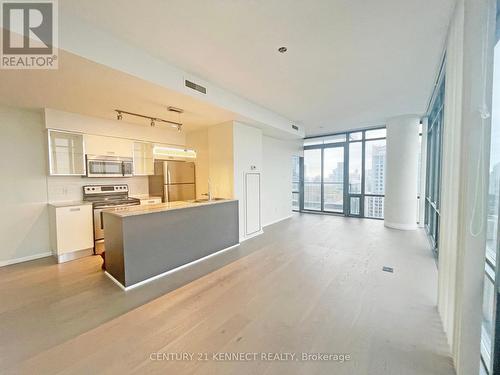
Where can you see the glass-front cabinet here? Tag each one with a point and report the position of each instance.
(143, 159)
(66, 153)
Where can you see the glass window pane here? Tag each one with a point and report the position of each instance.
(295, 201)
(494, 185)
(354, 205)
(295, 173)
(313, 141)
(374, 207)
(377, 133)
(333, 179)
(482, 370)
(375, 167)
(355, 167)
(334, 139)
(356, 136)
(487, 324)
(312, 180)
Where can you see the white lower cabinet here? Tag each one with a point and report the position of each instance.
(71, 231)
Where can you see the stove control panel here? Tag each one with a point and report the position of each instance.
(104, 189)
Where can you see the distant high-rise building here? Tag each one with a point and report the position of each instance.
(375, 205)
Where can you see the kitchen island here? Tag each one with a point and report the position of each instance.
(145, 242)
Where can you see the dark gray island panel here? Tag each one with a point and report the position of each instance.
(139, 247)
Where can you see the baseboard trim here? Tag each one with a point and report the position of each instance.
(67, 257)
(25, 259)
(277, 221)
(251, 236)
(401, 226)
(126, 288)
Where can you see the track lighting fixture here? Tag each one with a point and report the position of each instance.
(154, 120)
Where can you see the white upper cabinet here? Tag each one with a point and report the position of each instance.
(143, 159)
(98, 145)
(66, 153)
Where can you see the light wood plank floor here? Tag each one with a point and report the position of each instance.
(309, 284)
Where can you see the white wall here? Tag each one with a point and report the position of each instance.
(247, 145)
(69, 188)
(198, 140)
(277, 178)
(400, 203)
(24, 225)
(221, 160)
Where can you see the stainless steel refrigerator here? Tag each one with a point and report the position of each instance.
(173, 180)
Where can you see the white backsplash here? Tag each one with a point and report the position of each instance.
(62, 189)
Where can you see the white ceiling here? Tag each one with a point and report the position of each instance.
(350, 63)
(85, 87)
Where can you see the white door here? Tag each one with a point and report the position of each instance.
(252, 203)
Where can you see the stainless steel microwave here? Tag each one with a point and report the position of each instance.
(103, 166)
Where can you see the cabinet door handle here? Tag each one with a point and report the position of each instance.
(74, 209)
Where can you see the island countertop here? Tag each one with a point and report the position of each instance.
(160, 207)
(144, 242)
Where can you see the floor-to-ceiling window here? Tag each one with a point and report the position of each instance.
(345, 173)
(296, 178)
(313, 180)
(433, 177)
(490, 332)
(374, 173)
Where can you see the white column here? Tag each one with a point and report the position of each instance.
(401, 185)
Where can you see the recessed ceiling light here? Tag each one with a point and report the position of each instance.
(282, 49)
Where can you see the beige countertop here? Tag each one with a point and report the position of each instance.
(69, 204)
(160, 207)
(144, 196)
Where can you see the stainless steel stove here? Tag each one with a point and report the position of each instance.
(104, 197)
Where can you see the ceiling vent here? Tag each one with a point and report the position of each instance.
(195, 86)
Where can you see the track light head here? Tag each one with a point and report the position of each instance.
(152, 122)
(119, 116)
(179, 128)
(175, 109)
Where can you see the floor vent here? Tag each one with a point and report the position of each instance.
(388, 269)
(195, 86)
